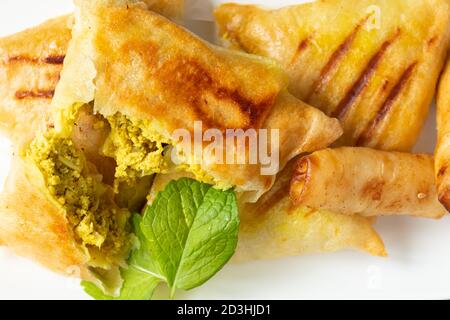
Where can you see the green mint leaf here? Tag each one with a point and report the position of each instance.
(94, 291)
(140, 257)
(139, 278)
(211, 241)
(192, 231)
(137, 285)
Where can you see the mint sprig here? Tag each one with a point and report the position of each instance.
(192, 231)
(186, 236)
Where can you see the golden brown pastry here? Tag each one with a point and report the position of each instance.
(30, 66)
(367, 182)
(274, 227)
(371, 63)
(442, 156)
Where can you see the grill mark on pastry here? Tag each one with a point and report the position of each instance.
(303, 45)
(52, 59)
(39, 94)
(192, 81)
(252, 109)
(387, 105)
(366, 75)
(333, 63)
(55, 59)
(22, 59)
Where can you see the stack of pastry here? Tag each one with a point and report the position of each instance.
(347, 84)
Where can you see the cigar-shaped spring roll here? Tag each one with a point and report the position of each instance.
(367, 182)
(442, 157)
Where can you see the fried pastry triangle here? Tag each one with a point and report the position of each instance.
(371, 63)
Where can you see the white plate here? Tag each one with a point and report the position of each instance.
(419, 252)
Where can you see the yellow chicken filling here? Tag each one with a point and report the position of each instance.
(98, 223)
(137, 149)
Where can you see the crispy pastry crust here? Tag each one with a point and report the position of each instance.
(173, 9)
(367, 182)
(372, 64)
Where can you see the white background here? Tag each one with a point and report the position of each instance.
(419, 250)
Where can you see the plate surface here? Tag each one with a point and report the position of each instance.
(419, 251)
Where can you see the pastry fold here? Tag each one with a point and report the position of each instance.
(373, 64)
(367, 182)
